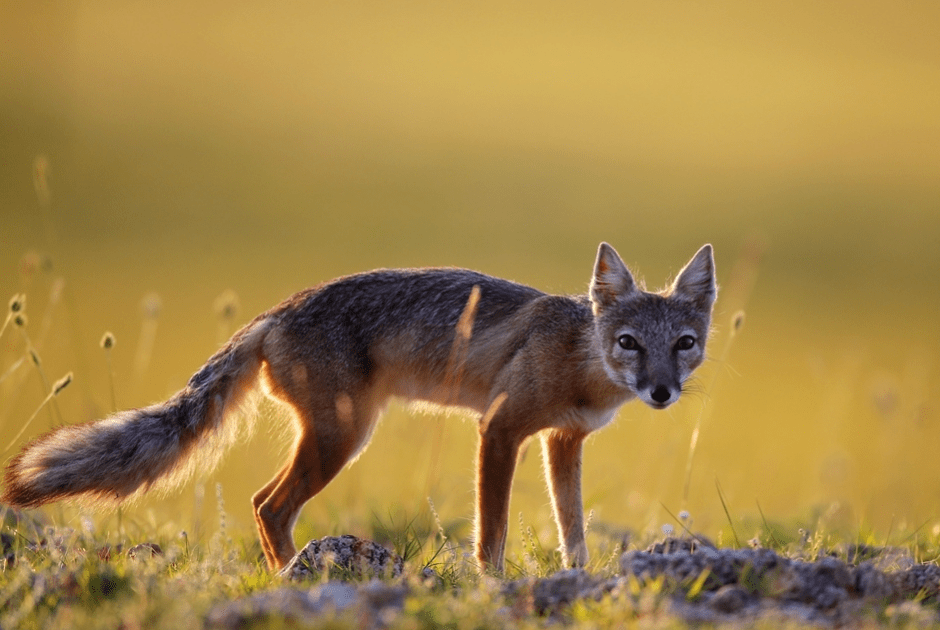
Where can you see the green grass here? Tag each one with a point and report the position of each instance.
(74, 578)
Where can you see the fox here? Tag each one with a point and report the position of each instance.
(524, 362)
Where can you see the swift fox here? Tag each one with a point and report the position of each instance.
(527, 362)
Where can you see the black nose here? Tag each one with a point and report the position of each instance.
(661, 394)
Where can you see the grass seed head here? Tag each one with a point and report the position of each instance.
(226, 305)
(151, 306)
(41, 178)
(18, 303)
(107, 342)
(61, 384)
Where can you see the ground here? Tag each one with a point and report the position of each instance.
(55, 577)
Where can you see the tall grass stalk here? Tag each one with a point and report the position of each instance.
(770, 532)
(107, 343)
(56, 292)
(13, 368)
(20, 320)
(737, 292)
(226, 309)
(150, 306)
(44, 197)
(61, 384)
(683, 520)
(456, 363)
(737, 321)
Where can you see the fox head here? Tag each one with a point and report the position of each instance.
(651, 342)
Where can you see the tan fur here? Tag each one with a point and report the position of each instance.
(527, 362)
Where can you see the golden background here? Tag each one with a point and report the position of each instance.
(194, 148)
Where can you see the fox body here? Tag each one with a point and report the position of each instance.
(529, 363)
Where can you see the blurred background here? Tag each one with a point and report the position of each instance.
(169, 170)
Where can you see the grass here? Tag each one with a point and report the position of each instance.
(68, 578)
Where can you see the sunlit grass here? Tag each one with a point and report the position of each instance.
(64, 577)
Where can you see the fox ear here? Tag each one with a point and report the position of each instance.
(696, 281)
(611, 279)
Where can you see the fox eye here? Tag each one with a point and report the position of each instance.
(627, 342)
(686, 342)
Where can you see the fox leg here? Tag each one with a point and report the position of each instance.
(561, 456)
(496, 464)
(257, 501)
(332, 431)
(278, 504)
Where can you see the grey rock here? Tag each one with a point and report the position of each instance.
(356, 556)
(728, 599)
(375, 604)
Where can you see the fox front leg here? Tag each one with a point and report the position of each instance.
(561, 457)
(496, 463)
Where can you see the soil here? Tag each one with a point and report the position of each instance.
(689, 579)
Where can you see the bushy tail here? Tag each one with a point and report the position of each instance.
(132, 452)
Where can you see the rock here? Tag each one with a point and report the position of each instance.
(374, 604)
(107, 551)
(144, 551)
(920, 580)
(7, 551)
(872, 583)
(290, 605)
(355, 556)
(671, 544)
(728, 599)
(552, 594)
(336, 595)
(379, 597)
(827, 589)
(563, 587)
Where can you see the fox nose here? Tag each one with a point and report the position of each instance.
(661, 394)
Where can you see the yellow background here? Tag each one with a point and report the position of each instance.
(199, 147)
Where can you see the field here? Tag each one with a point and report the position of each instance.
(167, 174)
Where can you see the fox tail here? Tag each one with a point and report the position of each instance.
(153, 448)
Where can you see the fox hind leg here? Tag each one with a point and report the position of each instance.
(333, 428)
(257, 501)
(300, 480)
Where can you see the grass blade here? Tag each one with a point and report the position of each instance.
(737, 542)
